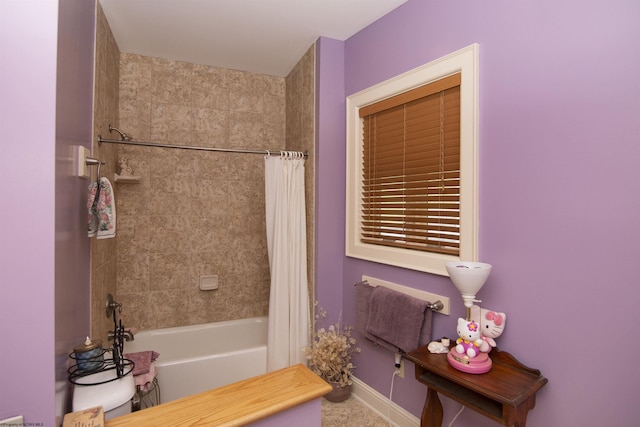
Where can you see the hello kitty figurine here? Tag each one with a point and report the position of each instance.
(491, 326)
(469, 340)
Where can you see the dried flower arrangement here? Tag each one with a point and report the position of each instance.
(330, 352)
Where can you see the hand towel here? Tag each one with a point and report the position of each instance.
(363, 303)
(363, 298)
(106, 211)
(425, 332)
(142, 361)
(92, 212)
(396, 318)
(145, 381)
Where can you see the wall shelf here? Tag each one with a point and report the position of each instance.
(127, 178)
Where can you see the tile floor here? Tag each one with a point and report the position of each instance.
(350, 413)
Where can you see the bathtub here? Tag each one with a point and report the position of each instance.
(197, 358)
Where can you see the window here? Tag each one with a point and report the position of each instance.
(412, 166)
(411, 169)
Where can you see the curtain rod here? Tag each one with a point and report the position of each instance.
(188, 147)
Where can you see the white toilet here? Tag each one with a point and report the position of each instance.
(114, 396)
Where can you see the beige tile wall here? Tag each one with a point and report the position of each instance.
(105, 112)
(300, 125)
(197, 213)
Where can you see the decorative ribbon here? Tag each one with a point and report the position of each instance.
(497, 319)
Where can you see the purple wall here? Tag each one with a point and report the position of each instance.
(559, 100)
(305, 414)
(74, 106)
(330, 174)
(27, 169)
(45, 108)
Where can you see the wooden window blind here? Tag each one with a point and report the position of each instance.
(411, 169)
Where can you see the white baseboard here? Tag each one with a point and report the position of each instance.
(383, 406)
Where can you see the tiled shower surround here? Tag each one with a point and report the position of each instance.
(105, 112)
(196, 213)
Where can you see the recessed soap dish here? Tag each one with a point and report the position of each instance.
(208, 283)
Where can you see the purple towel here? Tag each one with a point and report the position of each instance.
(363, 301)
(398, 319)
(425, 332)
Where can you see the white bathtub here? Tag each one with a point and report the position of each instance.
(201, 357)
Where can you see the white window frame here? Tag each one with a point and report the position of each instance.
(465, 61)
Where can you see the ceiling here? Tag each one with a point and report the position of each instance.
(261, 36)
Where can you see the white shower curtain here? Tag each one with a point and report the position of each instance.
(287, 246)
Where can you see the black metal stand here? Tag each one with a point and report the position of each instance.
(117, 362)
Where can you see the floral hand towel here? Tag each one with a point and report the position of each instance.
(92, 214)
(102, 215)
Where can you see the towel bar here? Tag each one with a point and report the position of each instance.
(90, 161)
(435, 306)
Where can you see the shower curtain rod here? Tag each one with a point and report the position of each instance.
(189, 147)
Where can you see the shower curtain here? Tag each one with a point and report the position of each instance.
(288, 330)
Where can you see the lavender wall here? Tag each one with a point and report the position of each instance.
(27, 79)
(560, 96)
(330, 174)
(43, 110)
(306, 414)
(74, 106)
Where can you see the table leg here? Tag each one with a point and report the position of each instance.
(432, 411)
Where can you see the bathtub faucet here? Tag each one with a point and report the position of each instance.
(127, 335)
(118, 336)
(118, 333)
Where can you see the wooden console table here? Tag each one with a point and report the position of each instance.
(505, 394)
